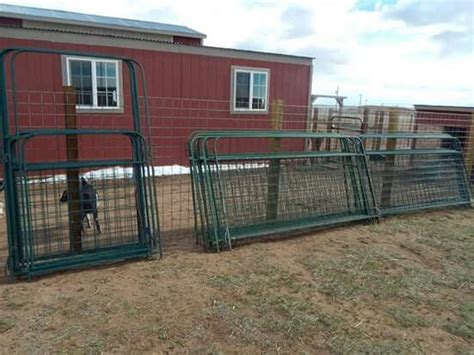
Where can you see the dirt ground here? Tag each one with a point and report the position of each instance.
(403, 286)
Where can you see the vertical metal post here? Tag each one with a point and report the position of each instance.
(72, 174)
(387, 174)
(274, 165)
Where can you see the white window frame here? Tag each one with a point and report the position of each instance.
(250, 71)
(94, 62)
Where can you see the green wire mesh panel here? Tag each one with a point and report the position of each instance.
(417, 171)
(79, 187)
(248, 184)
(112, 215)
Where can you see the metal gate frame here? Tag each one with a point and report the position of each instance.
(21, 261)
(454, 151)
(212, 229)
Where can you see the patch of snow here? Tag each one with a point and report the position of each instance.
(118, 172)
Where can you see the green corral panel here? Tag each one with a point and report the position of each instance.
(412, 172)
(72, 212)
(245, 187)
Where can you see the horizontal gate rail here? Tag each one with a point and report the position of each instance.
(426, 171)
(56, 180)
(249, 184)
(41, 238)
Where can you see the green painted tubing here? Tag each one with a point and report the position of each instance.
(362, 171)
(199, 157)
(198, 139)
(256, 134)
(227, 239)
(14, 244)
(373, 197)
(52, 132)
(79, 261)
(81, 164)
(140, 153)
(355, 189)
(289, 155)
(289, 226)
(464, 183)
(412, 151)
(407, 135)
(423, 206)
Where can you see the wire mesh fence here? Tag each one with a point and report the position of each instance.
(78, 192)
(279, 187)
(428, 171)
(173, 120)
(171, 127)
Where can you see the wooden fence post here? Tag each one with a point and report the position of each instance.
(414, 142)
(365, 123)
(72, 175)
(317, 142)
(380, 126)
(329, 129)
(376, 129)
(387, 174)
(274, 165)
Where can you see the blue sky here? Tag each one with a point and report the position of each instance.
(372, 5)
(398, 52)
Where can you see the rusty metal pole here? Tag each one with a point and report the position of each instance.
(72, 175)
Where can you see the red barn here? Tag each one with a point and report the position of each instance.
(190, 86)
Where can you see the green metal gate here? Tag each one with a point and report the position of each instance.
(248, 184)
(415, 171)
(117, 193)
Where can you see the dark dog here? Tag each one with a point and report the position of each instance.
(89, 202)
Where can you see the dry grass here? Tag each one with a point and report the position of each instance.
(403, 286)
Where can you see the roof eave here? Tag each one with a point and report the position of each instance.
(441, 108)
(96, 25)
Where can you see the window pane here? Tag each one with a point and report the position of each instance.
(111, 99)
(259, 79)
(111, 84)
(81, 80)
(101, 99)
(106, 84)
(258, 104)
(242, 90)
(75, 68)
(259, 91)
(101, 84)
(111, 70)
(100, 69)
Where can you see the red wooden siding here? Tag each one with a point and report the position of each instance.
(187, 92)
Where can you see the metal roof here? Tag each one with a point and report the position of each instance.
(75, 18)
(441, 108)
